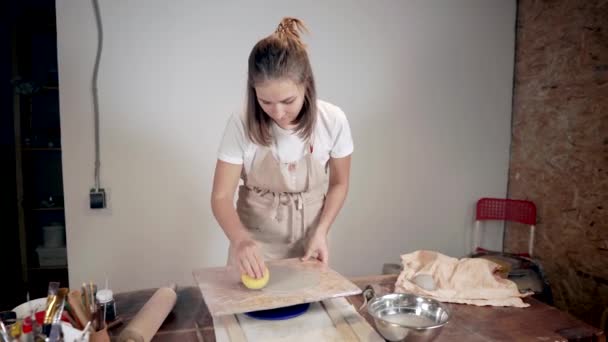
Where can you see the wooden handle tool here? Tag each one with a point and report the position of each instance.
(75, 301)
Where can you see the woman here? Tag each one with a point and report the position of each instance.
(282, 147)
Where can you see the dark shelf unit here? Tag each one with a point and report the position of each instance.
(38, 154)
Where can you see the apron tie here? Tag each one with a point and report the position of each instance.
(295, 201)
(276, 213)
(301, 207)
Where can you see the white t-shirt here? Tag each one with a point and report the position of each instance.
(331, 138)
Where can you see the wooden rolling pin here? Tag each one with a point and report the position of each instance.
(151, 316)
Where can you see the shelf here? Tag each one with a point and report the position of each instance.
(48, 268)
(47, 209)
(49, 149)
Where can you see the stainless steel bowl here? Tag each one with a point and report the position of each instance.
(408, 317)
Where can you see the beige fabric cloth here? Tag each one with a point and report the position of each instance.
(281, 203)
(465, 281)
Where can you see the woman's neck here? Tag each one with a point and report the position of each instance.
(289, 127)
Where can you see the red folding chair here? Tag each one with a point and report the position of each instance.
(527, 273)
(504, 210)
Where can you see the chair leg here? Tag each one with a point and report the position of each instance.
(531, 243)
(476, 237)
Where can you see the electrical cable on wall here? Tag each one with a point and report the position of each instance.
(97, 194)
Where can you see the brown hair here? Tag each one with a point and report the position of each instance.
(280, 55)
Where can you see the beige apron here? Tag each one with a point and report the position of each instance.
(281, 203)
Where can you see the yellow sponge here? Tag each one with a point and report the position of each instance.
(256, 284)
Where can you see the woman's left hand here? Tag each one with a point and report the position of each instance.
(317, 249)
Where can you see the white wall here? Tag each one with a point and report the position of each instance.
(426, 86)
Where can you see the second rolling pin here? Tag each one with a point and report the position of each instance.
(151, 316)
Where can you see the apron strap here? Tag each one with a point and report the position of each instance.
(276, 213)
(300, 206)
(294, 201)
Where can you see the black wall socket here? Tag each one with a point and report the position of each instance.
(97, 199)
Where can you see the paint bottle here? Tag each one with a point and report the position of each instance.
(106, 304)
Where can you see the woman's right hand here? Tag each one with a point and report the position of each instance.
(247, 255)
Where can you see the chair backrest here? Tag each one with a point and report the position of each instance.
(507, 210)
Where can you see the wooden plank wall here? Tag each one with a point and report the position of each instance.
(559, 153)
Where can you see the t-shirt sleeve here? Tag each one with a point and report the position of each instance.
(342, 139)
(234, 142)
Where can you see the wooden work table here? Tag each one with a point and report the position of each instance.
(191, 321)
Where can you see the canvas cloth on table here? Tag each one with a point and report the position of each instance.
(465, 281)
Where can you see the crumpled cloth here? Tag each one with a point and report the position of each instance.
(465, 281)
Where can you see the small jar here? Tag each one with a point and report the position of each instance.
(106, 304)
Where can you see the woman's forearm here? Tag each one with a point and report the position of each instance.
(336, 195)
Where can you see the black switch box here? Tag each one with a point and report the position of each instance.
(97, 199)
